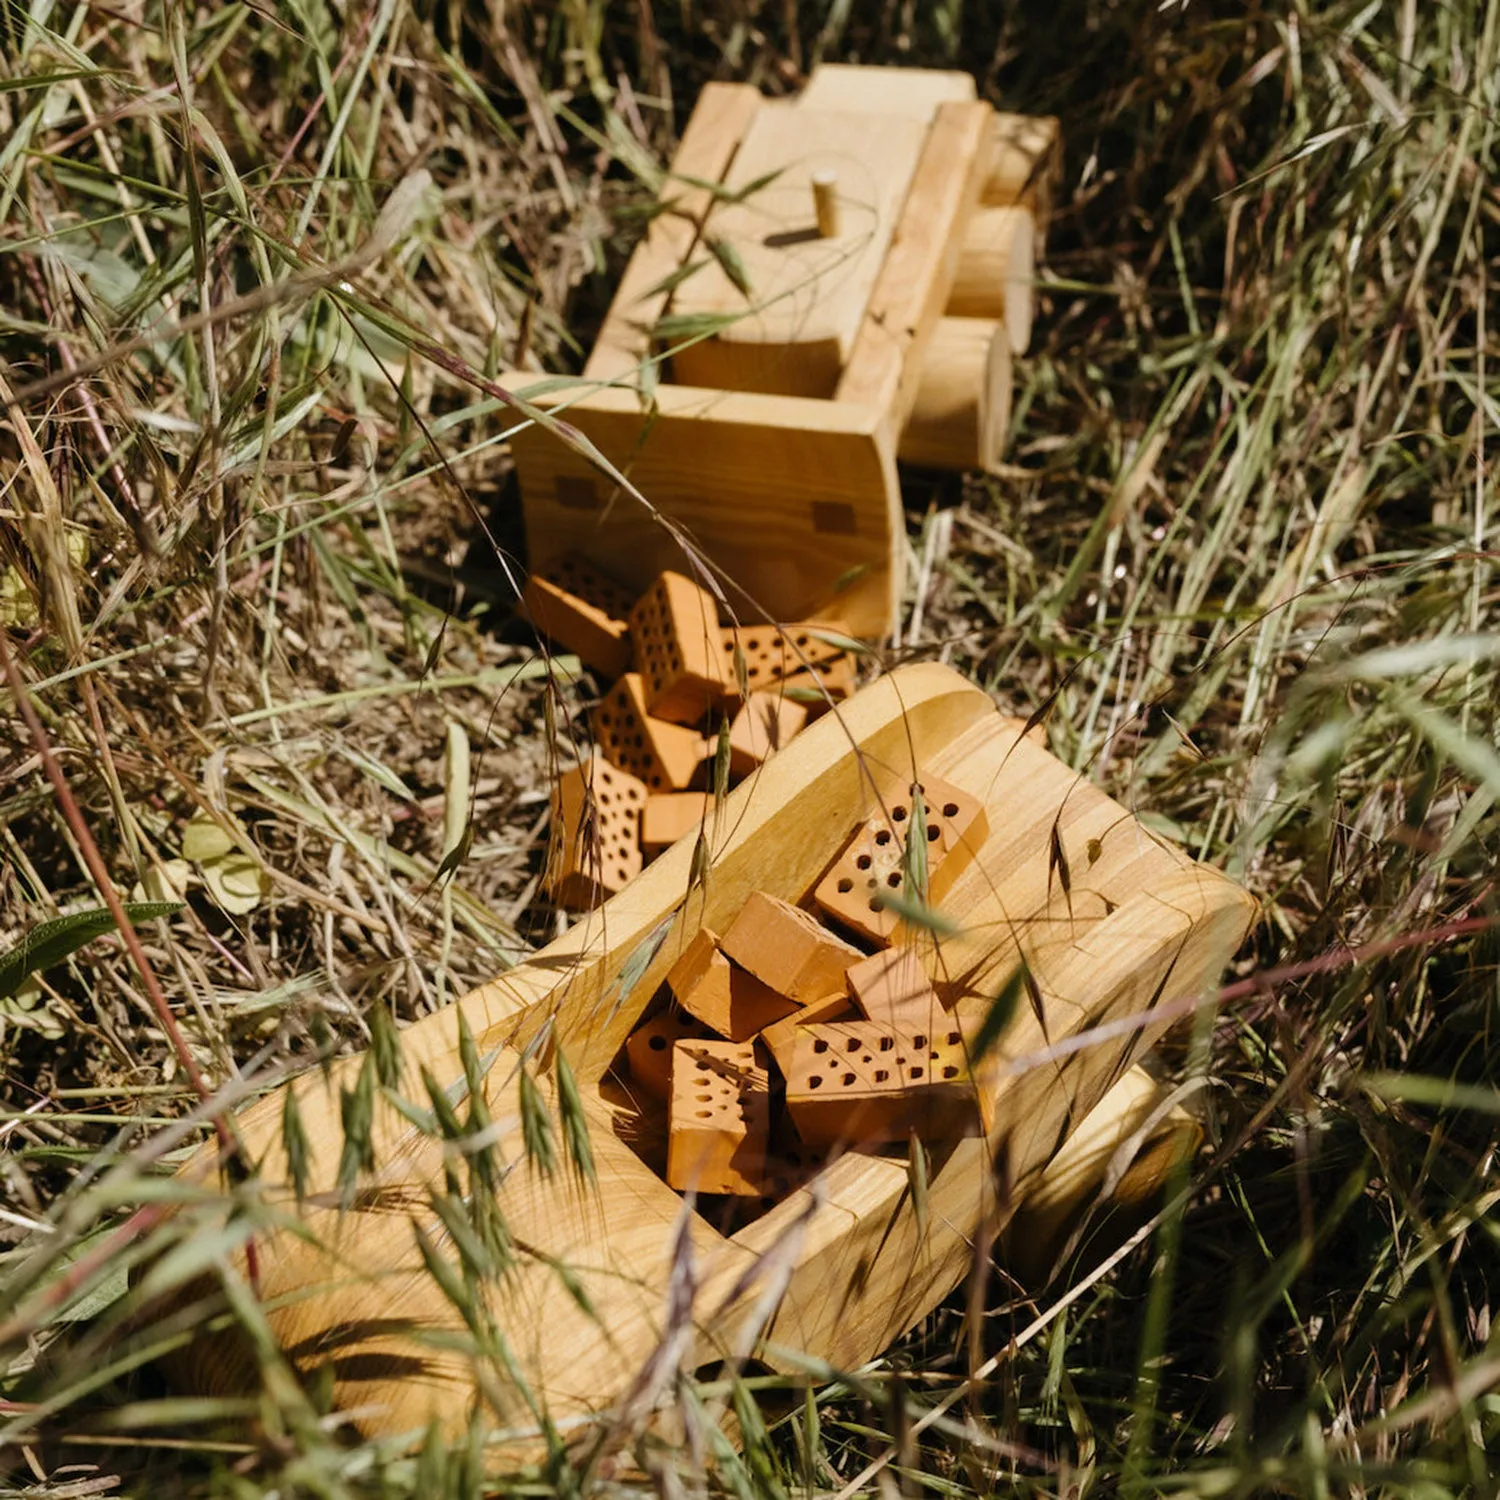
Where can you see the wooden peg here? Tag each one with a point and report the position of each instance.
(720, 1124)
(674, 627)
(825, 191)
(788, 949)
(857, 1082)
(583, 611)
(595, 848)
(665, 756)
(727, 999)
(875, 860)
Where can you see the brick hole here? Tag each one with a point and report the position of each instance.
(899, 815)
(950, 1071)
(851, 1044)
(815, 1082)
(881, 1075)
(893, 879)
(886, 1043)
(916, 1072)
(847, 1080)
(833, 1063)
(657, 1043)
(705, 1114)
(820, 1045)
(863, 862)
(919, 1041)
(883, 837)
(845, 886)
(955, 1038)
(867, 1058)
(950, 809)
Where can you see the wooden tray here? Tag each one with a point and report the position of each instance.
(1136, 923)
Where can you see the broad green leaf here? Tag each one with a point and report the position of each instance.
(237, 883)
(49, 943)
(203, 839)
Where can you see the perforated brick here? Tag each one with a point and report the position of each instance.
(774, 652)
(780, 1038)
(664, 756)
(857, 1082)
(720, 1121)
(584, 611)
(765, 723)
(822, 688)
(674, 628)
(648, 1048)
(669, 816)
(892, 989)
(596, 825)
(787, 949)
(874, 860)
(729, 1001)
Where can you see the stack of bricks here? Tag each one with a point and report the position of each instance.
(786, 1037)
(680, 674)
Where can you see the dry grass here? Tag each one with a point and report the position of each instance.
(250, 572)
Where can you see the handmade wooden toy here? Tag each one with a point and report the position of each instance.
(592, 1300)
(838, 281)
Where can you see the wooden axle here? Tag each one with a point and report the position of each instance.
(996, 275)
(962, 412)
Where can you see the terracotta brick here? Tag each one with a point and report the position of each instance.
(893, 989)
(720, 1120)
(873, 861)
(729, 1001)
(815, 688)
(764, 724)
(669, 816)
(674, 628)
(787, 949)
(857, 1082)
(665, 756)
(595, 849)
(648, 1048)
(584, 611)
(772, 653)
(780, 1038)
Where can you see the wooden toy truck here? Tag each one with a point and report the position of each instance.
(840, 281)
(580, 1323)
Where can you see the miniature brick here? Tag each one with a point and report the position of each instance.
(821, 688)
(774, 652)
(583, 611)
(891, 988)
(596, 820)
(857, 1082)
(874, 860)
(648, 1048)
(765, 723)
(720, 1120)
(669, 816)
(729, 1001)
(664, 756)
(780, 1037)
(787, 949)
(675, 630)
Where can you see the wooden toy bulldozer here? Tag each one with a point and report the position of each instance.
(839, 281)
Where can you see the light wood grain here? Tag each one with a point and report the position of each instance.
(915, 93)
(962, 412)
(884, 366)
(794, 329)
(719, 120)
(1140, 923)
(996, 275)
(796, 499)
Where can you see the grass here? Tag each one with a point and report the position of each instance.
(250, 575)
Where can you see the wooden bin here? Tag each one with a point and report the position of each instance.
(345, 1287)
